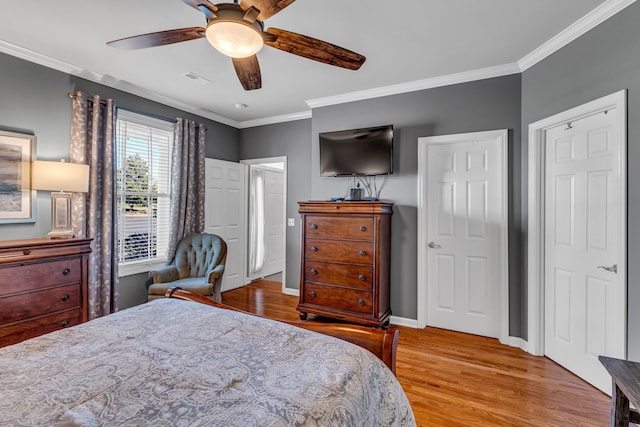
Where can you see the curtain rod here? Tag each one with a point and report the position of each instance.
(72, 95)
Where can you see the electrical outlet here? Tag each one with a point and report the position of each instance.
(291, 222)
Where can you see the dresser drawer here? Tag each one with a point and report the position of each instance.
(340, 298)
(21, 331)
(348, 228)
(339, 251)
(20, 278)
(351, 275)
(23, 306)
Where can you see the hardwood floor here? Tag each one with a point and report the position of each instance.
(456, 379)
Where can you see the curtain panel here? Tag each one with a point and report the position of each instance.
(93, 143)
(256, 221)
(187, 183)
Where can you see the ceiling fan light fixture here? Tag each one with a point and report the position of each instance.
(236, 39)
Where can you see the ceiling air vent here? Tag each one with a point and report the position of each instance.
(196, 78)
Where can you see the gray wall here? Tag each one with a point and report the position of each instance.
(293, 140)
(33, 100)
(601, 62)
(476, 106)
(483, 105)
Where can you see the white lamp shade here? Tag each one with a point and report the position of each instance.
(234, 39)
(60, 176)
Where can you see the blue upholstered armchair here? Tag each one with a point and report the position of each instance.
(197, 267)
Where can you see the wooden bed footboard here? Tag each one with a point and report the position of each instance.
(381, 342)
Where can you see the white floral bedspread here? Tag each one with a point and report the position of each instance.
(178, 363)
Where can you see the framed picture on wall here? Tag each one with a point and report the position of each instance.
(17, 198)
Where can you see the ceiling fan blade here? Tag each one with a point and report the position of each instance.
(315, 49)
(205, 3)
(267, 8)
(248, 71)
(158, 39)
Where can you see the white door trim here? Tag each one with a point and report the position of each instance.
(281, 159)
(423, 143)
(535, 234)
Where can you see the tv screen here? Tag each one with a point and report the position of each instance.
(367, 151)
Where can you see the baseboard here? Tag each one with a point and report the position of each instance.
(290, 291)
(403, 321)
(518, 342)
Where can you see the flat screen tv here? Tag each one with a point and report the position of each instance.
(367, 151)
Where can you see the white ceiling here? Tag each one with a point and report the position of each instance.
(408, 44)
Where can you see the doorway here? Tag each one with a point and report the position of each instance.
(462, 233)
(267, 185)
(577, 237)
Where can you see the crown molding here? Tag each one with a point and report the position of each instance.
(38, 58)
(597, 16)
(47, 61)
(301, 115)
(446, 80)
(566, 36)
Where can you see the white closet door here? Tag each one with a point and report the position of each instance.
(225, 212)
(465, 229)
(583, 296)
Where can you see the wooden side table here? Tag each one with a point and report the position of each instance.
(626, 389)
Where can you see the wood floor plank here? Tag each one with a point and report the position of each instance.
(455, 379)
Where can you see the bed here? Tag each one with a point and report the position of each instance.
(174, 362)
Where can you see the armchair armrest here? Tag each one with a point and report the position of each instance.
(168, 273)
(215, 274)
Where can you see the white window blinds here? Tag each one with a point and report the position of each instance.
(143, 147)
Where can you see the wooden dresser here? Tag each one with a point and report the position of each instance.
(346, 249)
(43, 286)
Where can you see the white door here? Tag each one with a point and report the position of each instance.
(273, 222)
(583, 315)
(225, 213)
(466, 232)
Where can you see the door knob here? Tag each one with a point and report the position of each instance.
(612, 269)
(434, 245)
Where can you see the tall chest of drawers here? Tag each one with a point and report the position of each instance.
(43, 286)
(346, 248)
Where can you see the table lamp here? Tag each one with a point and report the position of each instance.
(62, 179)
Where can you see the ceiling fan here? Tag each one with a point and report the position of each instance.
(237, 30)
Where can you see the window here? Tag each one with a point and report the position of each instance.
(143, 147)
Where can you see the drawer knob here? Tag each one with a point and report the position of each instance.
(313, 294)
(361, 277)
(363, 228)
(360, 301)
(66, 271)
(314, 226)
(363, 252)
(65, 297)
(26, 251)
(314, 271)
(314, 249)
(65, 323)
